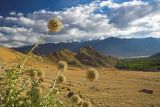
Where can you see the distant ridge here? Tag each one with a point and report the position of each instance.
(157, 55)
(85, 56)
(111, 46)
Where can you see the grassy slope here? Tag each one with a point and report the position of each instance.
(113, 88)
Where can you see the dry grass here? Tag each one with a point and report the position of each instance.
(112, 89)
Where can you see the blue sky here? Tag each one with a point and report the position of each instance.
(23, 22)
(28, 6)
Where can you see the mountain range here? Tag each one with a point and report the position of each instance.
(121, 48)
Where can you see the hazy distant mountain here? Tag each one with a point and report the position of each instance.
(110, 46)
(157, 56)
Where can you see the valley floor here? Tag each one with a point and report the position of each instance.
(119, 89)
(113, 88)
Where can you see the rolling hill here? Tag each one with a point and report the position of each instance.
(117, 47)
(85, 56)
(9, 55)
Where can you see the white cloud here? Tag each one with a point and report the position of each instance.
(1, 17)
(111, 4)
(13, 13)
(126, 20)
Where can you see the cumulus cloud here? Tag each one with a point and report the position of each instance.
(130, 19)
(1, 17)
(111, 4)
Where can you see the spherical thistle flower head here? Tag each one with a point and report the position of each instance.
(62, 65)
(33, 73)
(61, 79)
(40, 80)
(76, 99)
(92, 74)
(70, 94)
(55, 25)
(86, 104)
(40, 73)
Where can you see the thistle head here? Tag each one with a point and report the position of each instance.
(55, 25)
(61, 79)
(62, 65)
(40, 73)
(76, 99)
(70, 94)
(92, 74)
(40, 80)
(86, 104)
(32, 73)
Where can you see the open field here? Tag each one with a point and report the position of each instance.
(117, 89)
(113, 88)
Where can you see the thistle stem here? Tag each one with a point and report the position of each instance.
(54, 84)
(25, 84)
(31, 51)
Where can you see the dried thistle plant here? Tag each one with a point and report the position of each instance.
(92, 74)
(61, 79)
(70, 94)
(62, 65)
(76, 99)
(40, 73)
(14, 96)
(86, 104)
(32, 73)
(34, 95)
(55, 25)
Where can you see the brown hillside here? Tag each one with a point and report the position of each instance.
(85, 56)
(90, 56)
(65, 55)
(8, 55)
